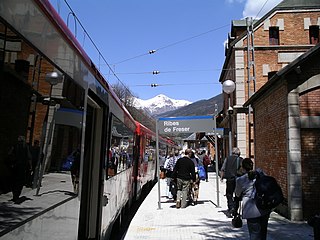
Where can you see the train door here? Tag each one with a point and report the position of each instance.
(92, 169)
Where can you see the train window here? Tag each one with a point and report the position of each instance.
(49, 131)
(150, 150)
(120, 154)
(73, 93)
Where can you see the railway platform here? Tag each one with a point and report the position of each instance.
(203, 221)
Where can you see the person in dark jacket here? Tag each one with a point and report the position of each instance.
(20, 164)
(184, 173)
(229, 171)
(75, 171)
(35, 151)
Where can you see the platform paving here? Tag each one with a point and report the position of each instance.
(206, 220)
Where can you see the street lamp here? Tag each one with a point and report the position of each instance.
(228, 87)
(53, 78)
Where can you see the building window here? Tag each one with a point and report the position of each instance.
(314, 34)
(274, 36)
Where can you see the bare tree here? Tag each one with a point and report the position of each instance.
(124, 94)
(127, 98)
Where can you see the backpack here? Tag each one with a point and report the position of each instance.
(268, 193)
(202, 173)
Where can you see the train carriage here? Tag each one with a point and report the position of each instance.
(146, 159)
(52, 92)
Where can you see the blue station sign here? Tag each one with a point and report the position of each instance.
(190, 124)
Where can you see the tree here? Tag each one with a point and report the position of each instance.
(127, 98)
(124, 94)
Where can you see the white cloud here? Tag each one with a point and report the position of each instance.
(253, 7)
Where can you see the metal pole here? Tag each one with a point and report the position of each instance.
(230, 129)
(216, 152)
(44, 161)
(158, 163)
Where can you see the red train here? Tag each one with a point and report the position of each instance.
(74, 114)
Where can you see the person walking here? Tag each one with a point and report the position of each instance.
(257, 219)
(206, 163)
(75, 171)
(229, 172)
(162, 160)
(20, 163)
(184, 173)
(35, 151)
(195, 185)
(169, 165)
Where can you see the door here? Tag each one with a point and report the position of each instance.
(91, 172)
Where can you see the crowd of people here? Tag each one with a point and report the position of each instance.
(183, 172)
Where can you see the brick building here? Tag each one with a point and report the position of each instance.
(287, 133)
(256, 50)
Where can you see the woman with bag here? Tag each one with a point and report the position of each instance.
(257, 219)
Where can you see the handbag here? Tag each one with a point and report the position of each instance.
(237, 220)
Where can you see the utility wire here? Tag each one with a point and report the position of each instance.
(171, 84)
(95, 46)
(172, 44)
(150, 52)
(261, 9)
(180, 71)
(187, 39)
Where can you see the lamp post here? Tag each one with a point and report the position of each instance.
(228, 87)
(216, 152)
(53, 78)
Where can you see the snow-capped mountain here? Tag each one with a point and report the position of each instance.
(159, 104)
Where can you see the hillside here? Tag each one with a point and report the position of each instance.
(200, 108)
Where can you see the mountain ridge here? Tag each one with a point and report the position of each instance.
(199, 108)
(159, 104)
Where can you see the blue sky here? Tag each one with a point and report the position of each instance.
(188, 35)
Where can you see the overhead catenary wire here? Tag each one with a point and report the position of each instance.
(172, 44)
(172, 84)
(180, 71)
(147, 53)
(260, 9)
(184, 40)
(95, 46)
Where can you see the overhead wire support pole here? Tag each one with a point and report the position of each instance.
(251, 75)
(216, 153)
(158, 163)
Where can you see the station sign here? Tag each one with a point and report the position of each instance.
(190, 124)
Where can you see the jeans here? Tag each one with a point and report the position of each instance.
(258, 227)
(206, 170)
(231, 185)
